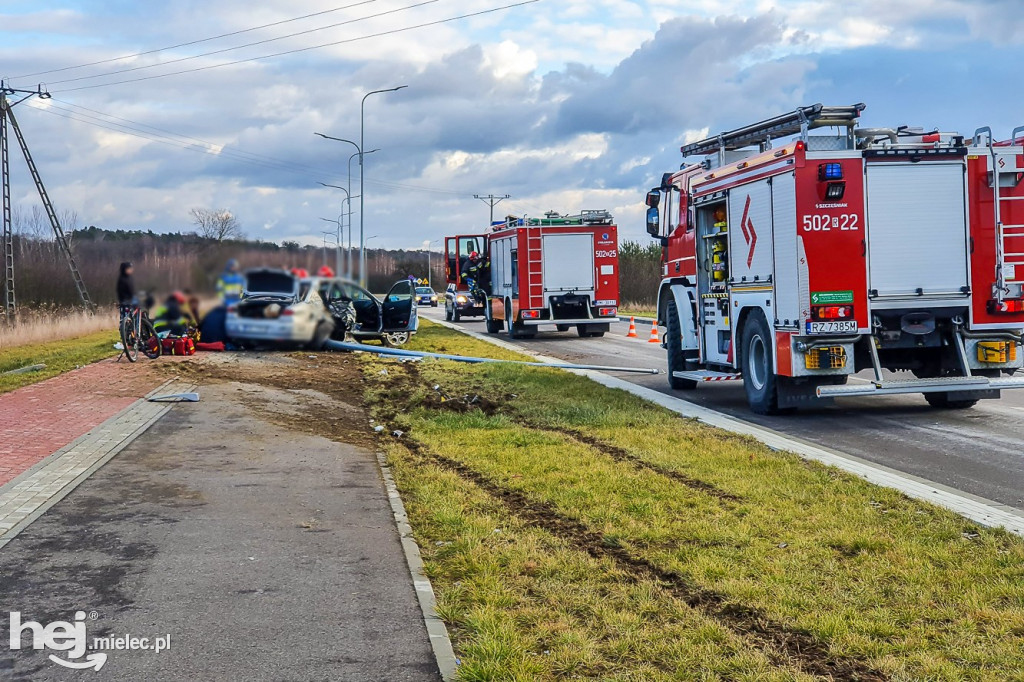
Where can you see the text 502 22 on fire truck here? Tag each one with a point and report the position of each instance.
(793, 266)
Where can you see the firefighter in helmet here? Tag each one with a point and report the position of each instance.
(230, 283)
(474, 271)
(173, 316)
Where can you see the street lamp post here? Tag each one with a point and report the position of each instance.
(360, 154)
(337, 242)
(362, 167)
(429, 244)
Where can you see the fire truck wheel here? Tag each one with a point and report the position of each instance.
(759, 377)
(563, 328)
(514, 330)
(676, 363)
(493, 326)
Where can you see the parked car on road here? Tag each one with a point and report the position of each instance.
(459, 303)
(426, 296)
(359, 315)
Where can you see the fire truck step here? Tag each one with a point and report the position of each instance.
(707, 375)
(937, 385)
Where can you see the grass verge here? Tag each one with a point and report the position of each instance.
(58, 356)
(577, 531)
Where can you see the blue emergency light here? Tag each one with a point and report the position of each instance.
(830, 171)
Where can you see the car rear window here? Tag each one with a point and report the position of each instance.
(270, 282)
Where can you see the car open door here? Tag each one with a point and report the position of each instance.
(398, 312)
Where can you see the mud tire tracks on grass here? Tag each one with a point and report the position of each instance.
(782, 645)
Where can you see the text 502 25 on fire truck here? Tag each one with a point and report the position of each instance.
(793, 266)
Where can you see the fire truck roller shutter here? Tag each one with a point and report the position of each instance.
(750, 233)
(916, 229)
(569, 264)
(786, 253)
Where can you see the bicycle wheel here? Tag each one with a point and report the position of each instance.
(129, 339)
(149, 342)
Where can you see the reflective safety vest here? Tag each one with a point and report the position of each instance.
(229, 287)
(162, 320)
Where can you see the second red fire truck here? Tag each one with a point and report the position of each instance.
(556, 270)
(792, 266)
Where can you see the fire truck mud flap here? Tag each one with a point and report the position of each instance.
(958, 388)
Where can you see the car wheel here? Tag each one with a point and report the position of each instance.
(447, 312)
(321, 335)
(456, 314)
(759, 378)
(394, 339)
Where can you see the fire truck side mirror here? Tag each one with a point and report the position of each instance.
(654, 198)
(653, 222)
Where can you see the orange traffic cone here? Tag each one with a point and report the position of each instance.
(631, 334)
(654, 333)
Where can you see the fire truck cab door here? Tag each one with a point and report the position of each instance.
(917, 230)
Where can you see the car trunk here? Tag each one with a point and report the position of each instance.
(264, 306)
(267, 293)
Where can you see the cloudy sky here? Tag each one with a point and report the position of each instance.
(563, 104)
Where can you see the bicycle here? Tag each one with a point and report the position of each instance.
(138, 334)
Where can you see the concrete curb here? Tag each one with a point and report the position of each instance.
(440, 642)
(636, 318)
(53, 461)
(977, 509)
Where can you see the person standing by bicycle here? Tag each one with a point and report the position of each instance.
(126, 285)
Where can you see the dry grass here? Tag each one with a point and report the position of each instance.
(55, 324)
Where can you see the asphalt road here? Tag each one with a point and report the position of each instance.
(265, 553)
(979, 451)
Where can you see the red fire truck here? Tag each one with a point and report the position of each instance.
(792, 266)
(556, 270)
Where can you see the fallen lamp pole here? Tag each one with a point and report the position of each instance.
(398, 353)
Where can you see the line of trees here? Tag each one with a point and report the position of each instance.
(194, 260)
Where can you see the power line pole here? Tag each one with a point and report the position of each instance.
(8, 237)
(7, 117)
(492, 201)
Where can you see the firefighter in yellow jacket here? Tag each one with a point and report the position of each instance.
(173, 316)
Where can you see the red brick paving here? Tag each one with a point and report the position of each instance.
(40, 419)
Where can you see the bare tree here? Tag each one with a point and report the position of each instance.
(218, 224)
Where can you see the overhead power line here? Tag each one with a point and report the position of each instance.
(217, 150)
(194, 42)
(252, 44)
(310, 48)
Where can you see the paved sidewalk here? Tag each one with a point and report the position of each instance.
(40, 419)
(263, 551)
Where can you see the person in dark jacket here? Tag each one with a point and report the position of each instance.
(126, 285)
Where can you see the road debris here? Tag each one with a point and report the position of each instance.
(175, 398)
(24, 370)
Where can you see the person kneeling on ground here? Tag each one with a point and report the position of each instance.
(173, 317)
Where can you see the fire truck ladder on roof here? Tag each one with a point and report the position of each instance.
(762, 133)
(1009, 237)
